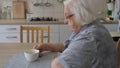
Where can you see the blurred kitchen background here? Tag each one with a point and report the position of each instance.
(47, 8)
(37, 8)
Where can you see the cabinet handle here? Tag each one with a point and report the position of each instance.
(11, 28)
(9, 37)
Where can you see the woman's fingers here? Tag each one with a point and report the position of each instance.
(36, 46)
(42, 53)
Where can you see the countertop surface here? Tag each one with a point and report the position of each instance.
(23, 21)
(115, 34)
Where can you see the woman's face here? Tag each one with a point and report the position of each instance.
(70, 19)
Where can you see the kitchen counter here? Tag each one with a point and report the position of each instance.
(23, 21)
(115, 35)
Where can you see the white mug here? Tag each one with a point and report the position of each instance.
(31, 55)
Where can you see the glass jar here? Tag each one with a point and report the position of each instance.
(4, 13)
(8, 12)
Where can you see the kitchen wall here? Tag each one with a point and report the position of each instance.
(56, 10)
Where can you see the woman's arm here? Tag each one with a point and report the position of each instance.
(56, 64)
(55, 47)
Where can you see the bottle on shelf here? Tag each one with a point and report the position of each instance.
(119, 23)
(0, 13)
(8, 12)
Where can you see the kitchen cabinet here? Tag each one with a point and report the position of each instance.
(9, 38)
(64, 32)
(58, 32)
(11, 33)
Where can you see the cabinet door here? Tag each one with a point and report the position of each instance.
(54, 37)
(54, 33)
(9, 33)
(9, 37)
(64, 32)
(9, 28)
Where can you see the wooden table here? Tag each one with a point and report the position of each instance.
(7, 50)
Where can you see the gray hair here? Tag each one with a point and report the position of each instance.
(86, 11)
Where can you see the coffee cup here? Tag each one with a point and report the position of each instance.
(31, 55)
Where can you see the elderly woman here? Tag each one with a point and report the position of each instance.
(90, 45)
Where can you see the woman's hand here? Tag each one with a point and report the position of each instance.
(41, 49)
(37, 46)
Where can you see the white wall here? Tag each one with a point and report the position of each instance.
(56, 10)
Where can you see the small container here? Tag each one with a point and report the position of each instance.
(28, 16)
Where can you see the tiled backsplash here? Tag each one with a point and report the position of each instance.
(56, 10)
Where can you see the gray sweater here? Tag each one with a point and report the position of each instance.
(91, 47)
